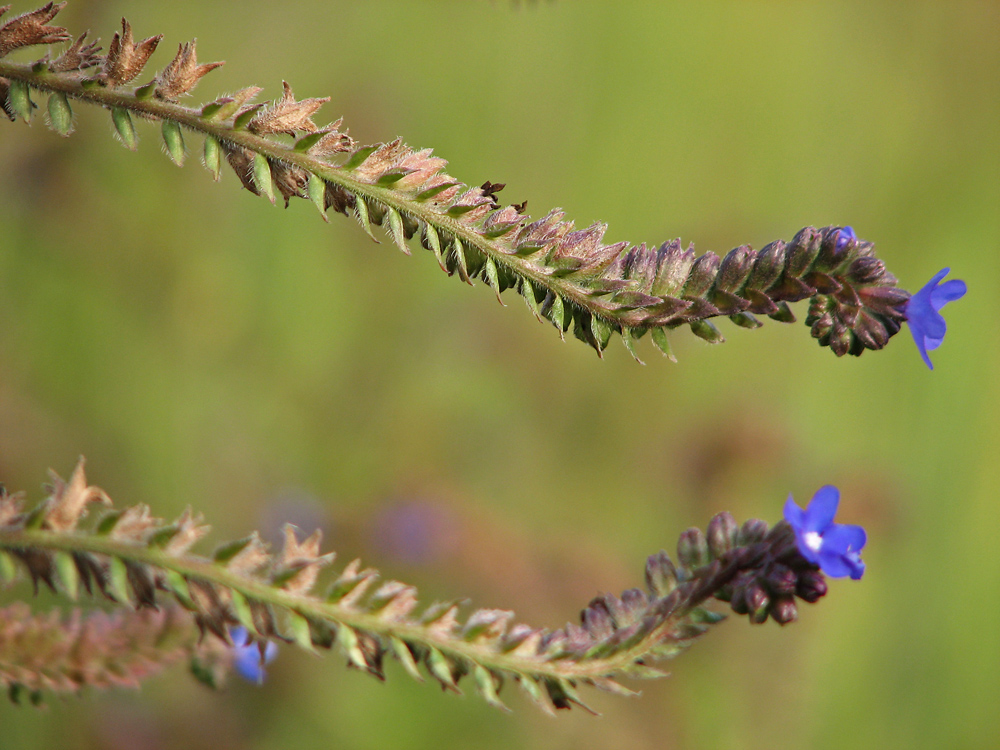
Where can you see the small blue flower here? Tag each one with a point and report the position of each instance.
(835, 547)
(846, 235)
(923, 312)
(247, 658)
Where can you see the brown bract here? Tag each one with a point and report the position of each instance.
(333, 141)
(182, 74)
(29, 28)
(300, 562)
(287, 115)
(290, 180)
(126, 59)
(68, 502)
(135, 524)
(252, 556)
(241, 160)
(11, 507)
(77, 57)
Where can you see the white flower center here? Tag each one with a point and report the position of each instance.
(813, 540)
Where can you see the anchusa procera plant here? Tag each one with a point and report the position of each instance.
(250, 599)
(230, 609)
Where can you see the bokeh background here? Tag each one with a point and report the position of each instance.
(202, 347)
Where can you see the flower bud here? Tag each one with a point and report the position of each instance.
(866, 270)
(735, 268)
(753, 530)
(692, 549)
(821, 327)
(802, 251)
(811, 586)
(833, 251)
(757, 603)
(781, 580)
(768, 266)
(702, 275)
(661, 576)
(721, 533)
(784, 611)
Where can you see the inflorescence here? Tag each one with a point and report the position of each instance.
(566, 276)
(247, 598)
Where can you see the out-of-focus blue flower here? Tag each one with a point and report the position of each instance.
(923, 312)
(247, 657)
(835, 547)
(846, 235)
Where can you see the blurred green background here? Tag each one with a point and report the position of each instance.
(202, 347)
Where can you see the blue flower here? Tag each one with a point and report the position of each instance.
(846, 235)
(247, 658)
(835, 547)
(923, 312)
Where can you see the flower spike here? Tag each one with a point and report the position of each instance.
(566, 274)
(923, 312)
(242, 598)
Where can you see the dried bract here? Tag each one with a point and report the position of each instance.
(126, 59)
(287, 115)
(68, 501)
(333, 141)
(182, 74)
(29, 28)
(77, 56)
(299, 564)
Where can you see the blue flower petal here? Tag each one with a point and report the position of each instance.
(841, 554)
(822, 508)
(845, 537)
(834, 564)
(949, 291)
(923, 312)
(794, 514)
(247, 658)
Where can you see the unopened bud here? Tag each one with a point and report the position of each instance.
(735, 268)
(781, 580)
(721, 533)
(784, 611)
(692, 549)
(802, 251)
(768, 266)
(811, 586)
(751, 532)
(783, 314)
(833, 251)
(866, 270)
(757, 603)
(702, 275)
(661, 576)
